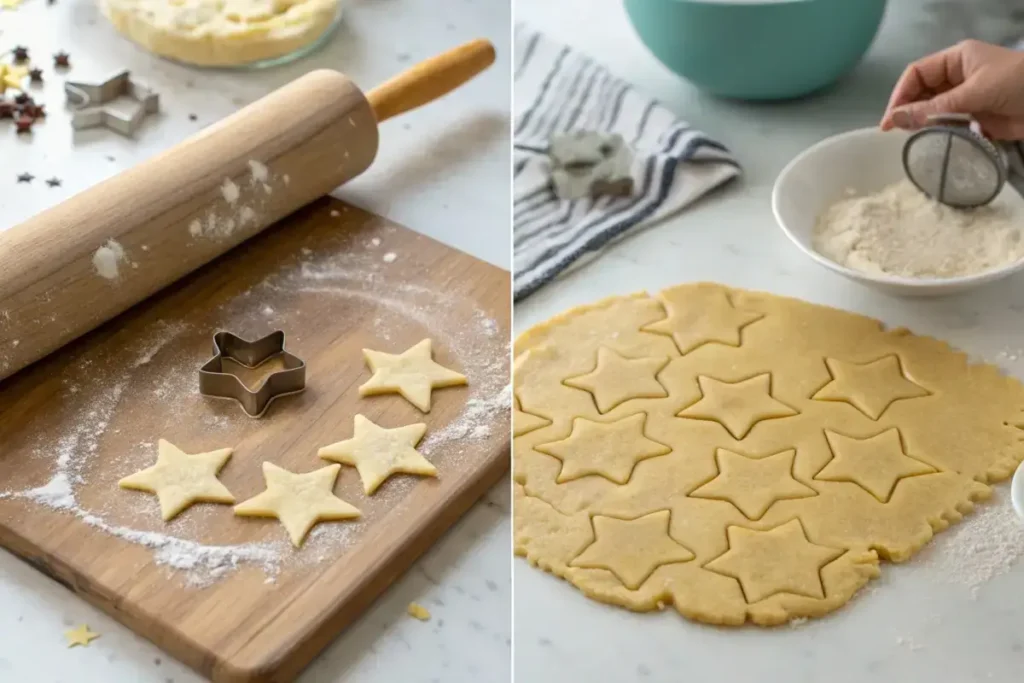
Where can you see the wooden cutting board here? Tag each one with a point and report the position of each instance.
(230, 596)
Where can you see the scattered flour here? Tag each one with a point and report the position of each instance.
(287, 179)
(396, 304)
(260, 173)
(107, 258)
(389, 257)
(986, 544)
(900, 231)
(246, 215)
(335, 213)
(195, 228)
(375, 242)
(230, 191)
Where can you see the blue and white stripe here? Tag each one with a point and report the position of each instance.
(559, 90)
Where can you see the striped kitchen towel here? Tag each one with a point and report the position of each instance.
(559, 90)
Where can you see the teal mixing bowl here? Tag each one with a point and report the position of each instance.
(758, 49)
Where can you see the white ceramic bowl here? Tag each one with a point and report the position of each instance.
(864, 160)
(1017, 491)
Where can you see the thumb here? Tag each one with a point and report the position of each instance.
(915, 115)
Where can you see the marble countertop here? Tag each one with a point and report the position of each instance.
(441, 170)
(950, 614)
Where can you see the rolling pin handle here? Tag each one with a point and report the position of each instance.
(430, 79)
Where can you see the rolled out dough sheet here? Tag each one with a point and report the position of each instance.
(742, 456)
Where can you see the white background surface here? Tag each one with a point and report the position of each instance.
(911, 626)
(442, 170)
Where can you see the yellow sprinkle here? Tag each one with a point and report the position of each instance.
(80, 636)
(418, 611)
(9, 4)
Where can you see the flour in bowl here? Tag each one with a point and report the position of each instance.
(901, 231)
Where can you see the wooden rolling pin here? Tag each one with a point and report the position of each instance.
(79, 264)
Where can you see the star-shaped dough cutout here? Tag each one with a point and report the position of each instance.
(80, 636)
(869, 387)
(607, 449)
(632, 548)
(876, 463)
(754, 484)
(616, 379)
(412, 373)
(378, 453)
(179, 479)
(702, 316)
(778, 560)
(298, 501)
(523, 422)
(12, 76)
(737, 406)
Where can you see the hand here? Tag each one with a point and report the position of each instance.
(972, 77)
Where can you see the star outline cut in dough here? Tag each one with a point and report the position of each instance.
(377, 453)
(618, 464)
(523, 422)
(744, 561)
(298, 500)
(710, 318)
(617, 379)
(392, 374)
(180, 480)
(753, 393)
(757, 497)
(857, 384)
(879, 449)
(616, 533)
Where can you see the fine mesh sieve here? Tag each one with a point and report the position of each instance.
(953, 163)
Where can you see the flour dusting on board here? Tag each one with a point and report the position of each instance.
(157, 385)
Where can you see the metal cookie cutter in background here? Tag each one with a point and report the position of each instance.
(92, 104)
(216, 383)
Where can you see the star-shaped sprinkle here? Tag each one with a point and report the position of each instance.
(35, 75)
(179, 479)
(737, 406)
(53, 182)
(377, 453)
(523, 422)
(413, 374)
(11, 76)
(62, 60)
(25, 177)
(754, 484)
(298, 501)
(701, 316)
(19, 54)
(869, 387)
(80, 636)
(778, 560)
(7, 109)
(23, 124)
(616, 379)
(876, 463)
(607, 449)
(632, 549)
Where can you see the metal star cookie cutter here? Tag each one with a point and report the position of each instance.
(216, 383)
(90, 103)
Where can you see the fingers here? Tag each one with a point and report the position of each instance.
(941, 72)
(936, 72)
(1001, 127)
(915, 115)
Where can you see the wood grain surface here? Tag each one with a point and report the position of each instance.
(336, 279)
(310, 136)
